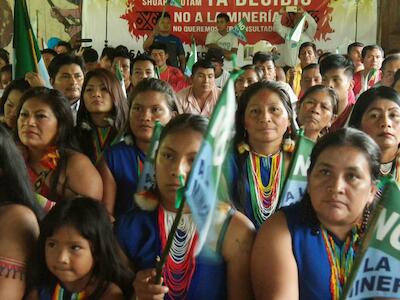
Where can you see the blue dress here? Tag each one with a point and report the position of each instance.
(138, 234)
(124, 162)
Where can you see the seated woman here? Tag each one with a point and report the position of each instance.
(152, 100)
(317, 110)
(262, 146)
(102, 114)
(10, 101)
(306, 251)
(45, 131)
(251, 75)
(19, 227)
(221, 270)
(377, 113)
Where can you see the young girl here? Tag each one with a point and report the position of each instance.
(102, 114)
(77, 255)
(152, 100)
(263, 132)
(221, 270)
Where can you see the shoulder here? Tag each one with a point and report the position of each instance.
(77, 160)
(113, 292)
(134, 220)
(16, 214)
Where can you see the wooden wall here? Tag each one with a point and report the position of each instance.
(389, 24)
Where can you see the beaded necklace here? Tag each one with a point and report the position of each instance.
(341, 259)
(180, 265)
(61, 294)
(264, 198)
(101, 139)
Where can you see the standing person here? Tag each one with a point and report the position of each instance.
(288, 52)
(262, 146)
(310, 76)
(143, 66)
(106, 58)
(91, 59)
(19, 215)
(78, 255)
(170, 74)
(389, 67)
(372, 57)
(162, 34)
(337, 73)
(216, 56)
(201, 97)
(377, 113)
(120, 167)
(221, 38)
(354, 53)
(307, 250)
(103, 114)
(221, 270)
(122, 59)
(45, 131)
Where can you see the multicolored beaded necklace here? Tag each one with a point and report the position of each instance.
(101, 137)
(61, 294)
(180, 265)
(341, 259)
(264, 197)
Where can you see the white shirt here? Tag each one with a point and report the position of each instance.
(222, 79)
(227, 41)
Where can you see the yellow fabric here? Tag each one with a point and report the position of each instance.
(296, 82)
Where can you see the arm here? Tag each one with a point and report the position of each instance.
(150, 39)
(182, 62)
(236, 251)
(278, 27)
(109, 186)
(113, 293)
(273, 266)
(82, 178)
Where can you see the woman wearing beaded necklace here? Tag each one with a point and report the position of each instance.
(261, 157)
(102, 114)
(307, 250)
(221, 270)
(377, 113)
(152, 100)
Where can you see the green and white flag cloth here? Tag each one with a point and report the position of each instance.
(176, 3)
(293, 42)
(192, 59)
(239, 30)
(203, 184)
(376, 270)
(27, 56)
(120, 77)
(296, 182)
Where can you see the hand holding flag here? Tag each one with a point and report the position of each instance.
(192, 58)
(239, 30)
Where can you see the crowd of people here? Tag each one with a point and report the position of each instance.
(72, 156)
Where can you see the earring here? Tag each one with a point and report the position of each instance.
(288, 143)
(366, 215)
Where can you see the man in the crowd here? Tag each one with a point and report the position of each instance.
(170, 74)
(337, 72)
(106, 58)
(389, 67)
(91, 59)
(372, 57)
(162, 34)
(122, 59)
(221, 39)
(201, 97)
(66, 75)
(63, 47)
(48, 55)
(310, 76)
(354, 53)
(143, 66)
(216, 56)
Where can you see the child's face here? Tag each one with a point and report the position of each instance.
(69, 258)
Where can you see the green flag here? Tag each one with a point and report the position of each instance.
(376, 270)
(295, 35)
(120, 77)
(296, 181)
(192, 58)
(27, 56)
(176, 3)
(239, 30)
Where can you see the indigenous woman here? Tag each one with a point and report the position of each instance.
(317, 110)
(221, 270)
(152, 100)
(103, 113)
(377, 113)
(251, 75)
(307, 250)
(45, 129)
(10, 101)
(19, 227)
(262, 146)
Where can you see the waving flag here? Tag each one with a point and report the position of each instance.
(176, 3)
(120, 77)
(203, 183)
(27, 56)
(192, 59)
(296, 181)
(294, 42)
(239, 30)
(376, 271)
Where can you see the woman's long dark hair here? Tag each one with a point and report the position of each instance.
(65, 139)
(15, 186)
(91, 220)
(239, 198)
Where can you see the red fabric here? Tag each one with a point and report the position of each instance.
(174, 77)
(342, 119)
